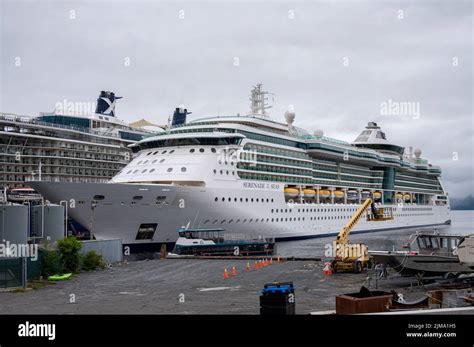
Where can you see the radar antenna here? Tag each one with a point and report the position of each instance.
(259, 101)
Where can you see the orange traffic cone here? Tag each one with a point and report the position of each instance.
(255, 265)
(265, 262)
(234, 272)
(271, 261)
(260, 264)
(226, 274)
(247, 268)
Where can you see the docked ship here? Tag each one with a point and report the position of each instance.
(61, 146)
(251, 174)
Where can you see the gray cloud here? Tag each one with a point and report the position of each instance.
(191, 60)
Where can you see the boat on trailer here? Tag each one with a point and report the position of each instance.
(428, 254)
(214, 242)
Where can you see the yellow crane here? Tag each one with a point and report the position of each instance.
(353, 257)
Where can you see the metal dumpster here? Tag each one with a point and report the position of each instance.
(365, 301)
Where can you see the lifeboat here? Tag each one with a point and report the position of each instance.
(365, 194)
(309, 193)
(291, 192)
(377, 195)
(407, 196)
(324, 193)
(352, 195)
(398, 196)
(338, 194)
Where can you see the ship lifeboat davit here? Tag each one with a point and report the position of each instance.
(291, 192)
(407, 196)
(324, 193)
(309, 193)
(338, 194)
(377, 196)
(352, 195)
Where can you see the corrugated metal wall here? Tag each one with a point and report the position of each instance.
(111, 250)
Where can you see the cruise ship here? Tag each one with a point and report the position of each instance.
(254, 175)
(61, 146)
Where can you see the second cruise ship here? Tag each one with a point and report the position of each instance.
(253, 175)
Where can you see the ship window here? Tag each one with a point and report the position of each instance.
(206, 221)
(146, 161)
(137, 197)
(216, 199)
(215, 221)
(164, 152)
(144, 170)
(161, 197)
(169, 169)
(183, 169)
(213, 150)
(215, 171)
(155, 152)
(230, 199)
(201, 150)
(129, 172)
(152, 170)
(135, 171)
(146, 231)
(223, 199)
(148, 153)
(139, 162)
(223, 221)
(172, 151)
(99, 197)
(191, 150)
(162, 160)
(256, 199)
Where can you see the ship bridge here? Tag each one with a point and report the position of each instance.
(373, 137)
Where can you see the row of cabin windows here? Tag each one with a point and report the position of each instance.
(170, 169)
(230, 221)
(216, 199)
(192, 150)
(222, 172)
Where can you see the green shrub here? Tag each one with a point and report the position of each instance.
(51, 263)
(92, 261)
(69, 254)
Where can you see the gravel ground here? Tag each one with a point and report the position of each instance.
(159, 287)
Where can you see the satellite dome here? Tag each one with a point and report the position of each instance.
(417, 152)
(290, 115)
(318, 133)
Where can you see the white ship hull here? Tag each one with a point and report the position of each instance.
(119, 215)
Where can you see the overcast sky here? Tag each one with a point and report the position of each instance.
(336, 62)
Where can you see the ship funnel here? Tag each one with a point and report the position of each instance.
(179, 115)
(106, 103)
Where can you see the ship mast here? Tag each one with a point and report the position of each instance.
(259, 101)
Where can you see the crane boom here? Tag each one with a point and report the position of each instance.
(342, 237)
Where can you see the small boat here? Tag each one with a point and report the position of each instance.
(465, 251)
(428, 253)
(407, 196)
(398, 197)
(213, 242)
(377, 196)
(324, 193)
(338, 194)
(291, 192)
(20, 195)
(352, 195)
(60, 277)
(365, 194)
(309, 193)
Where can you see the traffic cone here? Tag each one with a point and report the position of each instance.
(234, 272)
(265, 262)
(247, 268)
(271, 261)
(226, 274)
(255, 265)
(260, 263)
